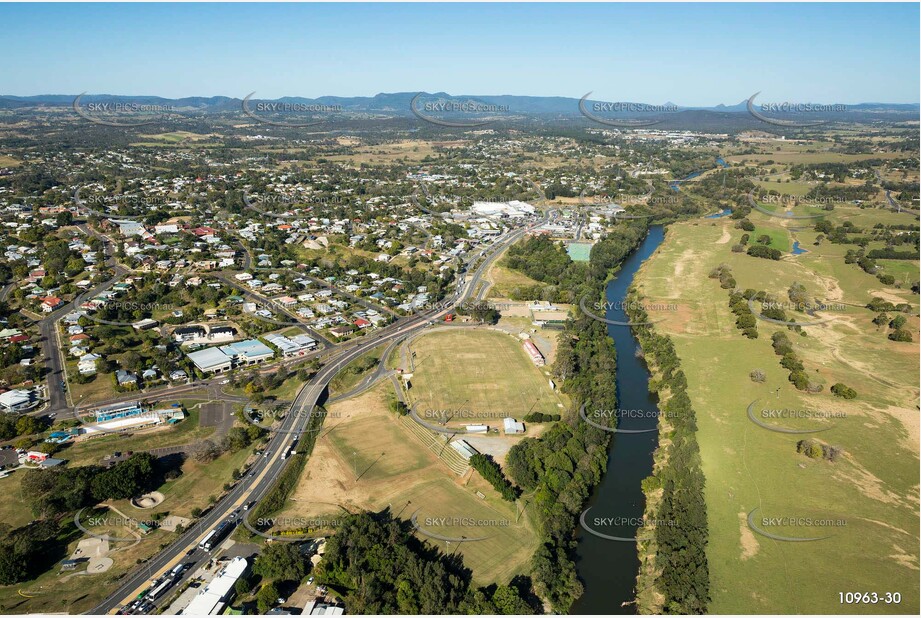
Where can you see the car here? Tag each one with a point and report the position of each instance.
(310, 580)
(267, 453)
(222, 382)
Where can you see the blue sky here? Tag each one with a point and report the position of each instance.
(690, 54)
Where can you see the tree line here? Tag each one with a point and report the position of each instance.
(683, 575)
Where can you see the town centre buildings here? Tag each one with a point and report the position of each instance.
(223, 358)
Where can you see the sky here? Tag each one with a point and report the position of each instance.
(688, 54)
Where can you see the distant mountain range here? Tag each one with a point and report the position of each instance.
(398, 103)
(511, 108)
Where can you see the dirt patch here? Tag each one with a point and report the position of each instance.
(889, 295)
(674, 317)
(725, 238)
(868, 484)
(99, 565)
(173, 521)
(148, 501)
(747, 538)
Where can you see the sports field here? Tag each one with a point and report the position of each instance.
(870, 493)
(484, 373)
(367, 458)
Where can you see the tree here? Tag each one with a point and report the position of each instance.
(282, 561)
(901, 335)
(28, 425)
(267, 597)
(843, 391)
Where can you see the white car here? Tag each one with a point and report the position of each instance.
(222, 382)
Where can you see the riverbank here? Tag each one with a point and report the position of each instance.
(674, 570)
(873, 488)
(607, 560)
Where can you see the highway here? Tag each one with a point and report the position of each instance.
(261, 475)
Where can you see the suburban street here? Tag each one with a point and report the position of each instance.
(260, 477)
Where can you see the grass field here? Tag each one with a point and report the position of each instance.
(347, 379)
(780, 238)
(485, 373)
(873, 488)
(785, 188)
(362, 439)
(786, 156)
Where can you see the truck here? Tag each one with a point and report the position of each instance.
(158, 592)
(216, 536)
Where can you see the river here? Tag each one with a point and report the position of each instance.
(608, 568)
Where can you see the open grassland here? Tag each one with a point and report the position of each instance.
(872, 488)
(365, 458)
(77, 592)
(780, 238)
(505, 280)
(785, 188)
(412, 151)
(6, 161)
(786, 156)
(481, 371)
(13, 511)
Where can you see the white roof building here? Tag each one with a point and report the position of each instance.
(18, 400)
(218, 593)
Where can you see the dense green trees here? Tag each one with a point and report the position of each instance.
(282, 561)
(562, 466)
(29, 550)
(682, 534)
(490, 470)
(378, 567)
(842, 390)
(763, 251)
(62, 490)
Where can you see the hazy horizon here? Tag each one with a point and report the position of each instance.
(694, 55)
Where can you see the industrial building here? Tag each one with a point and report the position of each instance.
(295, 346)
(512, 426)
(238, 354)
(219, 592)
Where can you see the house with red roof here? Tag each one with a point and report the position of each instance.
(50, 303)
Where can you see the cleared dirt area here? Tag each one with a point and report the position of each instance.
(367, 459)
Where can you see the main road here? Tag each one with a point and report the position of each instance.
(262, 474)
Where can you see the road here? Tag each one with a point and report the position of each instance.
(261, 476)
(262, 300)
(48, 328)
